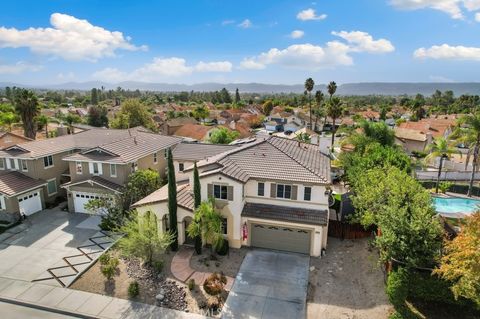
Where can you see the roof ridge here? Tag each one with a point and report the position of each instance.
(297, 161)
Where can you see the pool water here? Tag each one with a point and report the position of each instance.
(456, 205)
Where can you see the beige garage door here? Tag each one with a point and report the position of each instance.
(281, 238)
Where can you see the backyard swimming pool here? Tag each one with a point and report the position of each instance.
(456, 205)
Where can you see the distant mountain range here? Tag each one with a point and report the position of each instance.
(368, 88)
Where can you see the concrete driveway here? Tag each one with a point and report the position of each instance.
(28, 250)
(269, 285)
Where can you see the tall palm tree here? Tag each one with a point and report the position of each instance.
(470, 137)
(440, 148)
(334, 110)
(332, 88)
(319, 97)
(309, 83)
(26, 105)
(43, 120)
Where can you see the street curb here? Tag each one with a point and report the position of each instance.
(39, 307)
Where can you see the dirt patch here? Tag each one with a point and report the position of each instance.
(347, 283)
(228, 264)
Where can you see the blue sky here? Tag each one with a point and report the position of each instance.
(44, 42)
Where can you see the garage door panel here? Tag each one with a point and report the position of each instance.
(81, 199)
(281, 238)
(30, 203)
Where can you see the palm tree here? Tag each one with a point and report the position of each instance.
(26, 105)
(440, 148)
(319, 97)
(334, 110)
(470, 137)
(43, 120)
(72, 119)
(8, 119)
(309, 83)
(207, 223)
(332, 88)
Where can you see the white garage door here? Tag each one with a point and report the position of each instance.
(30, 203)
(281, 238)
(80, 199)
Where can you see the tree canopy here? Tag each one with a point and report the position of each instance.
(223, 135)
(133, 113)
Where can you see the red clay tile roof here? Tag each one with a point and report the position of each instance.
(195, 131)
(437, 127)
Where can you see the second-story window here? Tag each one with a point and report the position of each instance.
(284, 191)
(220, 191)
(24, 165)
(48, 161)
(181, 167)
(155, 158)
(79, 167)
(2, 163)
(307, 194)
(113, 170)
(96, 168)
(13, 163)
(261, 189)
(134, 167)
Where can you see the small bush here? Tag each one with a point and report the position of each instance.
(191, 284)
(104, 259)
(133, 289)
(444, 186)
(223, 249)
(397, 287)
(109, 268)
(158, 265)
(214, 284)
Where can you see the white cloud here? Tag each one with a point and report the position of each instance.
(364, 42)
(448, 52)
(18, 68)
(297, 34)
(310, 14)
(227, 22)
(220, 66)
(66, 76)
(314, 57)
(245, 24)
(160, 69)
(70, 38)
(452, 7)
(477, 16)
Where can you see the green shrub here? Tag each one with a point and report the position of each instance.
(104, 259)
(191, 284)
(158, 265)
(432, 288)
(109, 268)
(397, 287)
(444, 186)
(133, 289)
(223, 249)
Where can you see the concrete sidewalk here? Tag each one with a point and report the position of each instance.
(82, 303)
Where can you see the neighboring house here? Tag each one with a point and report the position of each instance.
(41, 163)
(170, 127)
(412, 140)
(314, 137)
(438, 127)
(196, 132)
(272, 193)
(8, 139)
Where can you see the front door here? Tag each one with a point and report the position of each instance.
(186, 222)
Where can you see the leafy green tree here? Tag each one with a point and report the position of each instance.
(71, 119)
(222, 135)
(440, 148)
(309, 84)
(237, 96)
(133, 113)
(197, 200)
(334, 110)
(43, 120)
(468, 133)
(416, 106)
(26, 106)
(225, 96)
(201, 112)
(97, 116)
(172, 200)
(304, 137)
(331, 88)
(207, 223)
(460, 262)
(267, 107)
(142, 238)
(94, 96)
(140, 184)
(402, 210)
(8, 119)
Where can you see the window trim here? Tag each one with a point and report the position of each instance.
(77, 165)
(155, 158)
(309, 193)
(47, 161)
(56, 188)
(3, 205)
(112, 174)
(181, 167)
(2, 164)
(263, 189)
(16, 166)
(284, 191)
(24, 169)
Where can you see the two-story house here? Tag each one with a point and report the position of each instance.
(38, 172)
(272, 193)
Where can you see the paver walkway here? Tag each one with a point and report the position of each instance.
(181, 269)
(82, 303)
